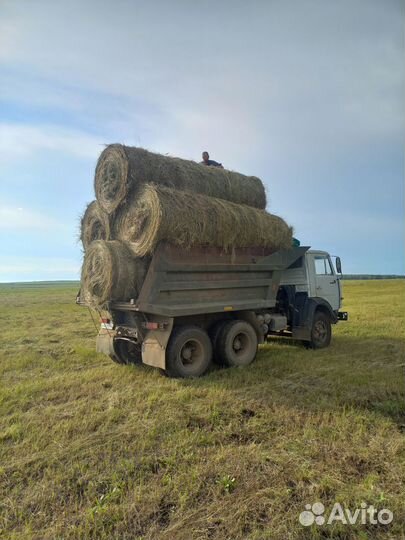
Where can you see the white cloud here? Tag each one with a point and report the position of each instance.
(21, 140)
(16, 219)
(286, 75)
(36, 91)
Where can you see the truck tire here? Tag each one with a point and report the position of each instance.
(188, 353)
(237, 343)
(127, 352)
(321, 332)
(214, 333)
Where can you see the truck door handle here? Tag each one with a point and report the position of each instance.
(318, 288)
(332, 282)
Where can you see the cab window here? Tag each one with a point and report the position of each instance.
(322, 266)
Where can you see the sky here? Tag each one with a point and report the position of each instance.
(306, 94)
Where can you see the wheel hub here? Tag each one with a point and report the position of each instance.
(240, 342)
(187, 353)
(320, 330)
(191, 352)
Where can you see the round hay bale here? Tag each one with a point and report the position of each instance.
(188, 219)
(123, 170)
(95, 225)
(111, 272)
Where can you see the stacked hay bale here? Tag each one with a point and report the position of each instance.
(95, 225)
(121, 171)
(145, 198)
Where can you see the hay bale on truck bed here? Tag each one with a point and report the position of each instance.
(187, 219)
(123, 170)
(111, 272)
(95, 225)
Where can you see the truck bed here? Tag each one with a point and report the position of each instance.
(204, 280)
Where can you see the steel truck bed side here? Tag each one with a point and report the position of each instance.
(206, 280)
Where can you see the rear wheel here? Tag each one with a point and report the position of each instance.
(214, 333)
(237, 343)
(321, 332)
(127, 352)
(189, 352)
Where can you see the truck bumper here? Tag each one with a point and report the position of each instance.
(343, 315)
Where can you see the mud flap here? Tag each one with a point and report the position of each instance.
(155, 343)
(105, 344)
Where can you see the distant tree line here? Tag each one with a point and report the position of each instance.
(371, 276)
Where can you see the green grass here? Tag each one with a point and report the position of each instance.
(90, 449)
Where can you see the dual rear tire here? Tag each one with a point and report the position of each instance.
(235, 344)
(126, 352)
(188, 353)
(191, 349)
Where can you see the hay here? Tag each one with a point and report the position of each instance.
(111, 273)
(95, 225)
(122, 170)
(186, 219)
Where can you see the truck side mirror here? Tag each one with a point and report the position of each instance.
(338, 265)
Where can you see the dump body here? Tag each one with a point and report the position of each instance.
(206, 280)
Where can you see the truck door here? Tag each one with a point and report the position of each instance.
(326, 281)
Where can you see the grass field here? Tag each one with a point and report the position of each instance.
(90, 449)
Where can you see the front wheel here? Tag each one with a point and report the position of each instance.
(321, 332)
(189, 352)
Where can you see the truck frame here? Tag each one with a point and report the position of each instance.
(205, 304)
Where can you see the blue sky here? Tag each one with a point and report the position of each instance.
(308, 95)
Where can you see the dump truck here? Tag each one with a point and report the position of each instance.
(205, 304)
